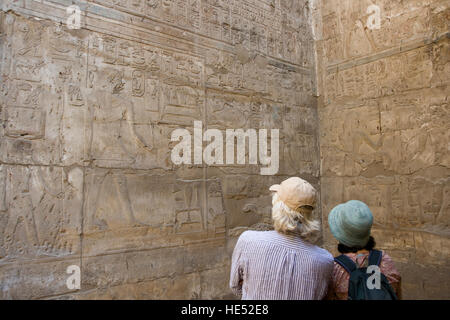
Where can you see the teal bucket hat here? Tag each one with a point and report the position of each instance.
(350, 223)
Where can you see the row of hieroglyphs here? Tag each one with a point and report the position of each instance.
(274, 28)
(267, 26)
(375, 79)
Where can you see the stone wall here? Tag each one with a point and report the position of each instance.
(385, 127)
(86, 115)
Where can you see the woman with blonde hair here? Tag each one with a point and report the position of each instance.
(283, 264)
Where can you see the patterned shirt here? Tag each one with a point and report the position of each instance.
(275, 266)
(338, 289)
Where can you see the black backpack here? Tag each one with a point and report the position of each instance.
(357, 285)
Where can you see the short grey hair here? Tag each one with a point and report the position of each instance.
(298, 222)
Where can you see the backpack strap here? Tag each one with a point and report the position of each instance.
(346, 263)
(375, 257)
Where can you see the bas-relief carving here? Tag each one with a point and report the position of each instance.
(234, 111)
(375, 79)
(380, 139)
(37, 86)
(41, 211)
(143, 210)
(268, 28)
(105, 108)
(248, 200)
(166, 88)
(347, 36)
(390, 124)
(299, 141)
(23, 115)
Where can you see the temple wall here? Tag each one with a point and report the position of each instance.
(86, 117)
(384, 128)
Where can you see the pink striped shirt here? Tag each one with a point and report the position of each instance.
(268, 265)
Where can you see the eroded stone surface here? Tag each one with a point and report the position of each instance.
(384, 129)
(86, 115)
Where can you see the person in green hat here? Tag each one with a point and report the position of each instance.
(351, 223)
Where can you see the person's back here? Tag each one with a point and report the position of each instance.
(278, 266)
(338, 289)
(351, 223)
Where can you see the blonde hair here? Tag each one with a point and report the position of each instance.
(289, 221)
